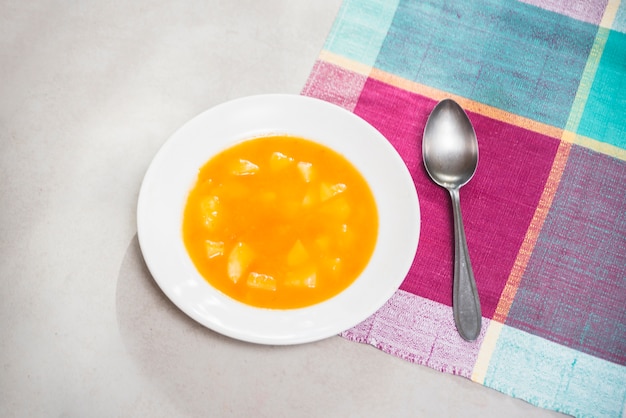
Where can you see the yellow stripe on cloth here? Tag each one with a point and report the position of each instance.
(609, 14)
(486, 350)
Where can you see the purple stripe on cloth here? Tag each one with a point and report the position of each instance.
(420, 331)
(574, 289)
(586, 10)
(498, 204)
(334, 84)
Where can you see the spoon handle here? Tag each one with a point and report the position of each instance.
(465, 301)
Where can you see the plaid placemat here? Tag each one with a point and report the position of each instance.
(544, 83)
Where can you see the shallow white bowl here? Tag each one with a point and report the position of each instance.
(174, 170)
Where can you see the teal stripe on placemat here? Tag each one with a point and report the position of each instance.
(360, 29)
(604, 117)
(510, 55)
(556, 377)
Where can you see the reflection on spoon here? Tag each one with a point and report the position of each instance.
(450, 151)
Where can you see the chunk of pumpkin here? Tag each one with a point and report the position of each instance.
(261, 281)
(306, 171)
(328, 191)
(303, 277)
(209, 210)
(337, 209)
(243, 167)
(297, 255)
(311, 197)
(214, 248)
(239, 259)
(280, 161)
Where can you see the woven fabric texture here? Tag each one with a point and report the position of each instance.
(544, 84)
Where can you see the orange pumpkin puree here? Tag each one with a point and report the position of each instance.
(280, 222)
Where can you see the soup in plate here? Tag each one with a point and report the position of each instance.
(280, 222)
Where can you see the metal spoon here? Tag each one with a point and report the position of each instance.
(450, 151)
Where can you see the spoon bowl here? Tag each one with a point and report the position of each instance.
(450, 147)
(450, 151)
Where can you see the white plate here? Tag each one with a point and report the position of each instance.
(173, 173)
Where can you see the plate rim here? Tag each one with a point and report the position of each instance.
(291, 317)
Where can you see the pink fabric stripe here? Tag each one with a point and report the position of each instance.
(335, 85)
